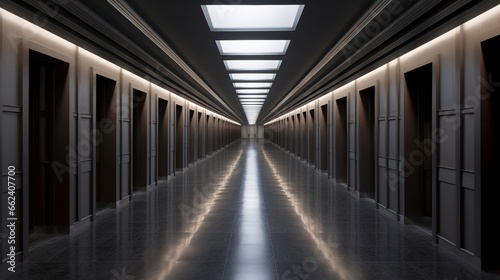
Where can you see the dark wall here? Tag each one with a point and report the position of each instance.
(75, 145)
(416, 135)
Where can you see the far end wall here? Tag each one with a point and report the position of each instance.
(252, 131)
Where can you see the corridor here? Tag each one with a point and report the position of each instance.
(250, 211)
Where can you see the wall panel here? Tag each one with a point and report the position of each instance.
(76, 117)
(456, 147)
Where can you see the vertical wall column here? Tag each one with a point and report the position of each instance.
(153, 138)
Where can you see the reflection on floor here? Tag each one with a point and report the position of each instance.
(251, 211)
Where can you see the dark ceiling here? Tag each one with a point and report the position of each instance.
(335, 41)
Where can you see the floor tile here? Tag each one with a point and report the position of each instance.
(273, 217)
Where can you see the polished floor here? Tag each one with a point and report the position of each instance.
(251, 211)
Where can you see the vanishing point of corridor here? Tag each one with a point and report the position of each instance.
(251, 211)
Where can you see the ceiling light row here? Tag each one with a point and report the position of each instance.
(252, 87)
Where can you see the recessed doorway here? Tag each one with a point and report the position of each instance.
(140, 136)
(163, 143)
(48, 135)
(105, 189)
(341, 159)
(418, 127)
(366, 130)
(490, 153)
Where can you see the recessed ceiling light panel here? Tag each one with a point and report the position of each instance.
(252, 108)
(252, 76)
(252, 17)
(252, 47)
(252, 91)
(253, 100)
(252, 85)
(252, 96)
(252, 65)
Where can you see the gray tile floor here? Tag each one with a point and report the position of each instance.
(251, 211)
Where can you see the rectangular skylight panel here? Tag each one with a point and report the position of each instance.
(252, 76)
(252, 103)
(252, 47)
(252, 96)
(252, 108)
(252, 99)
(252, 85)
(252, 65)
(252, 91)
(252, 17)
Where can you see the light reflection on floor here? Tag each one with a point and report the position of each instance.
(250, 211)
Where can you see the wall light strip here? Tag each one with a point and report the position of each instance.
(129, 13)
(362, 22)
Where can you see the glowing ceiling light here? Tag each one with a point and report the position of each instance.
(252, 91)
(246, 102)
(252, 96)
(253, 99)
(252, 65)
(253, 47)
(252, 85)
(252, 76)
(252, 17)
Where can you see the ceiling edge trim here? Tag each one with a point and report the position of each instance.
(362, 22)
(130, 14)
(343, 73)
